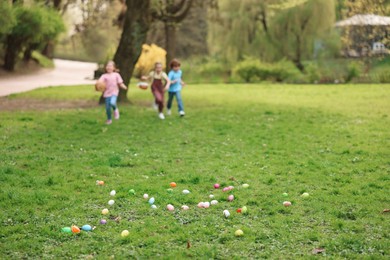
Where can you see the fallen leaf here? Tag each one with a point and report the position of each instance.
(188, 244)
(318, 251)
(386, 211)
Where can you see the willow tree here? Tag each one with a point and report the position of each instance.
(295, 30)
(269, 29)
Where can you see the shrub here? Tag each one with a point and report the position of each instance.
(353, 71)
(249, 69)
(313, 73)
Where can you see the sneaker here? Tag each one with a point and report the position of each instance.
(182, 113)
(155, 106)
(169, 112)
(116, 113)
(161, 116)
(109, 122)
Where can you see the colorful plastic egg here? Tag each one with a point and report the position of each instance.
(214, 202)
(111, 202)
(172, 184)
(216, 186)
(170, 207)
(206, 205)
(238, 233)
(244, 210)
(151, 200)
(66, 230)
(200, 204)
(186, 191)
(146, 196)
(75, 229)
(86, 228)
(245, 185)
(113, 193)
(239, 210)
(211, 196)
(125, 233)
(231, 197)
(103, 221)
(105, 211)
(132, 192)
(305, 195)
(287, 203)
(185, 207)
(153, 207)
(226, 213)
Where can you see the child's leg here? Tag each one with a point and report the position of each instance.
(170, 99)
(159, 95)
(108, 107)
(113, 102)
(179, 101)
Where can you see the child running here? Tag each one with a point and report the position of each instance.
(177, 83)
(113, 81)
(157, 76)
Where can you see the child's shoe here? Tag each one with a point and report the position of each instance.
(116, 113)
(109, 122)
(161, 116)
(182, 113)
(169, 112)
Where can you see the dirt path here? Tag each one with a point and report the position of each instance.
(65, 73)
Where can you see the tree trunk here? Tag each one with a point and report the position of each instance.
(170, 41)
(135, 27)
(48, 51)
(11, 54)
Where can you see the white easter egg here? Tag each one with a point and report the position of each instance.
(214, 202)
(226, 213)
(111, 202)
(113, 193)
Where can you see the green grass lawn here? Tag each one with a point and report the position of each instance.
(332, 141)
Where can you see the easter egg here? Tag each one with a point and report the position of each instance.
(131, 191)
(239, 210)
(286, 203)
(226, 213)
(99, 182)
(170, 207)
(86, 228)
(105, 211)
(125, 233)
(200, 204)
(305, 195)
(216, 186)
(214, 202)
(186, 191)
(185, 207)
(230, 197)
(244, 210)
(206, 205)
(225, 189)
(211, 196)
(231, 187)
(111, 202)
(66, 230)
(172, 184)
(75, 229)
(146, 196)
(153, 207)
(151, 200)
(103, 221)
(169, 190)
(238, 233)
(112, 193)
(245, 185)
(285, 194)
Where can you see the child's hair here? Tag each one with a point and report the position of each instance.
(113, 63)
(174, 63)
(157, 63)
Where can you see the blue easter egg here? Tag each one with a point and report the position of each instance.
(86, 228)
(151, 201)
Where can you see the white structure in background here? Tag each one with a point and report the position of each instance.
(369, 20)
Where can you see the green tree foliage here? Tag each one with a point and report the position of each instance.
(269, 29)
(33, 26)
(7, 20)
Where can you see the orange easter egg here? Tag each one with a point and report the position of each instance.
(75, 229)
(173, 184)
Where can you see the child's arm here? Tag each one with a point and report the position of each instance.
(168, 82)
(182, 83)
(121, 85)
